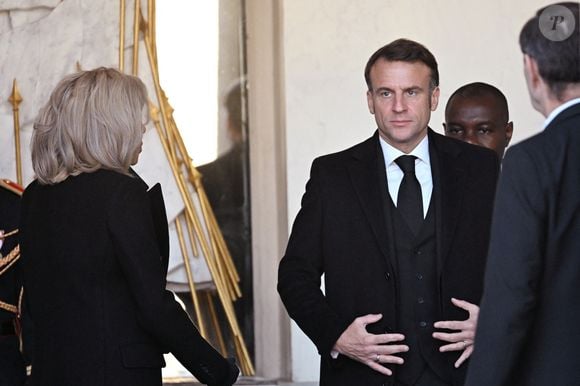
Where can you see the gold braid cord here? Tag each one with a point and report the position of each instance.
(8, 307)
(6, 235)
(211, 245)
(5, 264)
(11, 258)
(18, 322)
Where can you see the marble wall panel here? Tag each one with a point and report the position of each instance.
(43, 40)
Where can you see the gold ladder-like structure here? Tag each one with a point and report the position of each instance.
(213, 247)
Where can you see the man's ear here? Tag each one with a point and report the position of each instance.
(509, 130)
(370, 101)
(435, 98)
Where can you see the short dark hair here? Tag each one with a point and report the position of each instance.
(480, 89)
(404, 50)
(558, 61)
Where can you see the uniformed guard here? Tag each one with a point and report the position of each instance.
(12, 365)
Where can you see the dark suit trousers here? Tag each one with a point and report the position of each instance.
(429, 378)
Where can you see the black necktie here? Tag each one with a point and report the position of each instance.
(409, 199)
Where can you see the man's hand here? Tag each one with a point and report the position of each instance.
(462, 339)
(372, 350)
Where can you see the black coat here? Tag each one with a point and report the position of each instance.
(341, 232)
(95, 282)
(10, 281)
(529, 327)
(12, 368)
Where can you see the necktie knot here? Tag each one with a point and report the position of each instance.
(406, 163)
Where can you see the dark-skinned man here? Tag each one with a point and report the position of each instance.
(477, 113)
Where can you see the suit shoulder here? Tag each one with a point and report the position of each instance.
(464, 146)
(99, 185)
(121, 187)
(470, 153)
(559, 135)
(540, 145)
(481, 152)
(342, 155)
(542, 154)
(109, 190)
(113, 178)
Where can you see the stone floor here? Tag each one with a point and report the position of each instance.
(176, 375)
(246, 381)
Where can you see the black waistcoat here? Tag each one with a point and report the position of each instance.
(418, 296)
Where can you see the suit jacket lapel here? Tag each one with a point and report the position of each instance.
(367, 176)
(448, 194)
(159, 217)
(160, 223)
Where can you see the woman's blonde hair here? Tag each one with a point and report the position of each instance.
(93, 120)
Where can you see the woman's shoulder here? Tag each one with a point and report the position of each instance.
(114, 176)
(100, 186)
(118, 183)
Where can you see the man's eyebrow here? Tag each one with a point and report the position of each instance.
(410, 88)
(383, 88)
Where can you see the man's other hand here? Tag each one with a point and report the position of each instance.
(370, 349)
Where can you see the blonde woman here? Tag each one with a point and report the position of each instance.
(93, 271)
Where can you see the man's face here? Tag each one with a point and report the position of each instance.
(479, 121)
(401, 101)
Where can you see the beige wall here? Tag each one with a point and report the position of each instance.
(307, 98)
(326, 44)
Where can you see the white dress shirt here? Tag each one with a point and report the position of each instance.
(422, 170)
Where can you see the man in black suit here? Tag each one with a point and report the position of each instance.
(398, 249)
(477, 113)
(528, 332)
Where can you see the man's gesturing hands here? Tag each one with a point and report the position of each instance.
(461, 339)
(370, 349)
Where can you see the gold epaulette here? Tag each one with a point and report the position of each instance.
(11, 186)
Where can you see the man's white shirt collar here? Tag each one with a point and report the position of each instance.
(421, 151)
(422, 170)
(559, 109)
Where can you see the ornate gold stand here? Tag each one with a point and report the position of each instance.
(213, 247)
